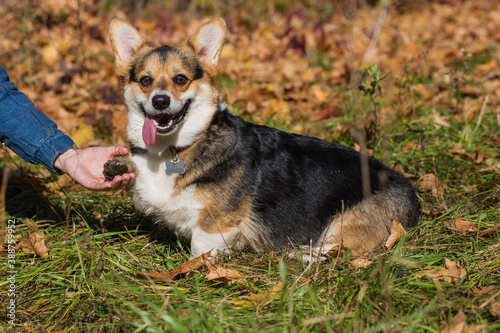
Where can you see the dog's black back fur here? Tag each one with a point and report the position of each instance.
(296, 183)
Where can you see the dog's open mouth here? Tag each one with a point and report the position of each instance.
(161, 124)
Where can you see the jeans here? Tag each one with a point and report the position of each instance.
(28, 131)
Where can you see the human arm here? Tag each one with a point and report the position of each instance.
(86, 166)
(35, 138)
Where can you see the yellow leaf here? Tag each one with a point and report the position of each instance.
(83, 135)
(319, 92)
(274, 293)
(50, 55)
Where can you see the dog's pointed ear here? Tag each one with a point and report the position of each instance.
(208, 41)
(125, 41)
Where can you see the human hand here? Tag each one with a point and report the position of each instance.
(85, 167)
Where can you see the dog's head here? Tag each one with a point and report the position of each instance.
(169, 91)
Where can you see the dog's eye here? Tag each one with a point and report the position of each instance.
(146, 81)
(180, 80)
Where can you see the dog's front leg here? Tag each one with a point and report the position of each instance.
(215, 243)
(118, 167)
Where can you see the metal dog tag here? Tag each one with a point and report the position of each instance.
(175, 166)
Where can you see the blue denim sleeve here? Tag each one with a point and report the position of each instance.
(26, 130)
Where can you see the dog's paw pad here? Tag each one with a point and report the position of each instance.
(114, 168)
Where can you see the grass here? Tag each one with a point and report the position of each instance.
(88, 282)
(97, 244)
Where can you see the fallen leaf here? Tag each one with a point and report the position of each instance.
(83, 135)
(495, 137)
(225, 275)
(495, 309)
(274, 293)
(440, 120)
(397, 231)
(456, 325)
(459, 325)
(488, 290)
(494, 167)
(429, 182)
(362, 262)
(334, 251)
(265, 296)
(453, 272)
(488, 231)
(34, 244)
(166, 277)
(399, 168)
(185, 269)
(470, 91)
(50, 55)
(462, 226)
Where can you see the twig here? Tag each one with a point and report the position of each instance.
(376, 34)
(481, 114)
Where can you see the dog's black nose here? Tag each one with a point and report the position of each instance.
(161, 102)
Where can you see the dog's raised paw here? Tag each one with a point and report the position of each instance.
(114, 168)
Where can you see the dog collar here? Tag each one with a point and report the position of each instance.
(175, 164)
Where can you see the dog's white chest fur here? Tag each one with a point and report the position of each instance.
(152, 194)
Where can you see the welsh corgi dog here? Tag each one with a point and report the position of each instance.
(227, 184)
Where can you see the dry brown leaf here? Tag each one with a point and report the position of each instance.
(456, 325)
(453, 272)
(399, 168)
(34, 244)
(185, 269)
(166, 277)
(494, 167)
(488, 290)
(225, 275)
(334, 251)
(429, 182)
(459, 325)
(440, 120)
(462, 226)
(485, 232)
(362, 262)
(397, 231)
(495, 309)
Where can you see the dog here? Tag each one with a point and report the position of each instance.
(227, 184)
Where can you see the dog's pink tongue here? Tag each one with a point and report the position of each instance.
(149, 131)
